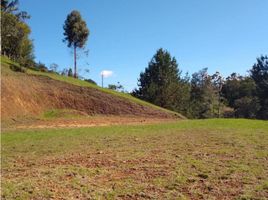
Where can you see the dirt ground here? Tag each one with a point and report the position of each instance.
(30, 95)
(91, 121)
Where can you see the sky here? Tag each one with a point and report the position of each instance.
(224, 36)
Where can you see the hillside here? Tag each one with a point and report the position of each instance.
(38, 94)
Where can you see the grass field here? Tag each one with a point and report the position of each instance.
(198, 159)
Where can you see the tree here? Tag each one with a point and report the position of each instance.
(259, 73)
(9, 6)
(90, 81)
(54, 67)
(12, 7)
(41, 67)
(70, 72)
(117, 87)
(246, 107)
(218, 81)
(112, 87)
(15, 34)
(240, 94)
(159, 82)
(64, 72)
(76, 33)
(203, 95)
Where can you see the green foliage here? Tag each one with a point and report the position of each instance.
(9, 7)
(259, 73)
(203, 95)
(240, 94)
(15, 34)
(161, 84)
(246, 107)
(112, 87)
(75, 30)
(117, 87)
(16, 68)
(70, 72)
(90, 81)
(41, 67)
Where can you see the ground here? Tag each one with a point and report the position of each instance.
(35, 94)
(187, 159)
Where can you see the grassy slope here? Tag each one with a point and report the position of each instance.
(198, 159)
(82, 83)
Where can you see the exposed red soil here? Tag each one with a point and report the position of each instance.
(27, 95)
(84, 122)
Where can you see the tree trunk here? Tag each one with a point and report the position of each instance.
(219, 105)
(75, 74)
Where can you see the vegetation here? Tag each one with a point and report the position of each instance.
(76, 33)
(161, 84)
(90, 81)
(191, 159)
(117, 87)
(259, 73)
(15, 41)
(204, 95)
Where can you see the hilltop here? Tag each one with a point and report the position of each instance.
(42, 95)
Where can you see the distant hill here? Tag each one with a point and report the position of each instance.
(34, 93)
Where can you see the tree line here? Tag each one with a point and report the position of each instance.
(203, 95)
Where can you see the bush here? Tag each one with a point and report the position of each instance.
(90, 81)
(17, 68)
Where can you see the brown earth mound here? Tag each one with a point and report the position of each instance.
(31, 95)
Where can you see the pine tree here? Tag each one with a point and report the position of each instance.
(160, 83)
(259, 73)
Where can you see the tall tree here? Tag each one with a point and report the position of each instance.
(259, 73)
(218, 81)
(161, 84)
(76, 33)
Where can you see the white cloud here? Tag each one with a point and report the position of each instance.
(106, 73)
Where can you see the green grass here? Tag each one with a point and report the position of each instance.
(61, 113)
(191, 159)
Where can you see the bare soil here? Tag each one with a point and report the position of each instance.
(82, 122)
(28, 95)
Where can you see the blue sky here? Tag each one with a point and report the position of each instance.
(223, 35)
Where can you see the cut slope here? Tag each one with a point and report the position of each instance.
(33, 93)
